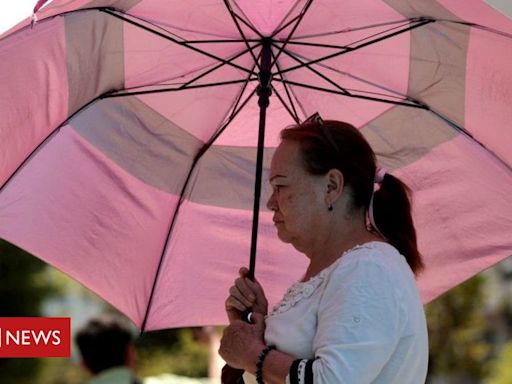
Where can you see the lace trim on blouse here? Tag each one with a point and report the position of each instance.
(302, 290)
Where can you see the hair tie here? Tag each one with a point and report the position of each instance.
(379, 178)
(379, 175)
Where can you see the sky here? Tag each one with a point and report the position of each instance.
(13, 12)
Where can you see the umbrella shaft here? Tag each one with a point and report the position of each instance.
(264, 91)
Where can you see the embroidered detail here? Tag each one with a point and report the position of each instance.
(303, 290)
(297, 292)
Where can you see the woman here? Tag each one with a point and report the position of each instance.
(356, 316)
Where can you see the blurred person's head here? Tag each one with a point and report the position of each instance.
(106, 342)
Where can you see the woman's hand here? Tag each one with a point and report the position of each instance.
(245, 295)
(242, 342)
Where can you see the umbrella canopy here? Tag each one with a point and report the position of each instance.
(129, 134)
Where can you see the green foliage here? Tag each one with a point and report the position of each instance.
(23, 288)
(501, 368)
(458, 332)
(172, 351)
(59, 371)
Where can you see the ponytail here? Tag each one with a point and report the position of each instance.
(338, 145)
(392, 214)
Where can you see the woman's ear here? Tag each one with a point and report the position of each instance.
(335, 183)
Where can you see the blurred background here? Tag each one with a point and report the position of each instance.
(470, 327)
(470, 330)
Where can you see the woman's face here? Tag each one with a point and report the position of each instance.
(298, 198)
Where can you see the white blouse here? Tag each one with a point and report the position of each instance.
(361, 319)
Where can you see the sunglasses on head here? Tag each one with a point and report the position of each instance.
(317, 119)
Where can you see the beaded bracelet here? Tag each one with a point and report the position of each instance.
(259, 364)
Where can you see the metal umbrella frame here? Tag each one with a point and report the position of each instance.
(265, 69)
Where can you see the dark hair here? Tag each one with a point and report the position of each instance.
(330, 144)
(103, 343)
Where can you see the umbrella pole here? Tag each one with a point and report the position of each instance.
(264, 91)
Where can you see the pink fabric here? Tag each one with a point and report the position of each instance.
(94, 221)
(489, 93)
(488, 75)
(75, 207)
(452, 208)
(355, 71)
(208, 248)
(149, 59)
(266, 16)
(478, 12)
(39, 4)
(242, 131)
(209, 19)
(36, 78)
(55, 7)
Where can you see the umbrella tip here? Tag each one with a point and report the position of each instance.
(33, 21)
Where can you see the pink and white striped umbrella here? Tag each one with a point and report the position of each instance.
(129, 129)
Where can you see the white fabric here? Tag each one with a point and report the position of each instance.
(361, 318)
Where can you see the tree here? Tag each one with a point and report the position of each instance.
(501, 367)
(23, 288)
(459, 333)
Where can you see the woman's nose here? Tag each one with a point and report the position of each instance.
(272, 203)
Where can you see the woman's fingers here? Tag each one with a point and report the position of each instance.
(255, 287)
(239, 294)
(251, 290)
(254, 284)
(242, 286)
(233, 303)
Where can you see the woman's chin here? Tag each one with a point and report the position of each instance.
(283, 236)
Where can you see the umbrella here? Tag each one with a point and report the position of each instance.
(135, 135)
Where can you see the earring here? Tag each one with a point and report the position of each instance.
(329, 207)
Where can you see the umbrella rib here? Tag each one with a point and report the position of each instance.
(323, 65)
(280, 26)
(317, 73)
(415, 104)
(156, 26)
(235, 106)
(285, 26)
(244, 38)
(346, 30)
(314, 44)
(382, 32)
(406, 102)
(181, 88)
(296, 58)
(479, 26)
(466, 133)
(247, 22)
(46, 139)
(186, 85)
(182, 198)
(234, 112)
(290, 35)
(289, 92)
(222, 64)
(420, 22)
(222, 41)
(182, 43)
(295, 114)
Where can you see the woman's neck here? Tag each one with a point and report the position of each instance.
(333, 247)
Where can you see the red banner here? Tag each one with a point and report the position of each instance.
(35, 337)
